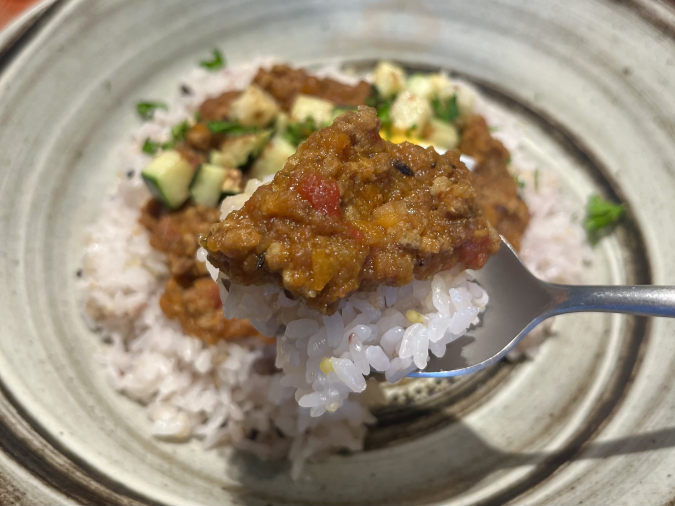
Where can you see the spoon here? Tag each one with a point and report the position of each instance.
(519, 301)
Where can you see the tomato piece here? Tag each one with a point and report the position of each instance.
(355, 233)
(324, 196)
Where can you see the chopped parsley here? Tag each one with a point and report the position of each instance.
(297, 133)
(179, 131)
(445, 109)
(383, 107)
(229, 127)
(151, 147)
(147, 109)
(198, 116)
(216, 63)
(519, 182)
(601, 215)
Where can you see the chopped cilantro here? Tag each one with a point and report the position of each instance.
(519, 182)
(198, 116)
(179, 131)
(150, 147)
(147, 109)
(217, 63)
(445, 109)
(601, 214)
(297, 133)
(383, 107)
(229, 127)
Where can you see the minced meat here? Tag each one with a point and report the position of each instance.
(351, 211)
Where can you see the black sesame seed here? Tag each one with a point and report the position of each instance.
(279, 433)
(403, 168)
(130, 173)
(421, 264)
(261, 261)
(454, 167)
(253, 434)
(185, 90)
(79, 273)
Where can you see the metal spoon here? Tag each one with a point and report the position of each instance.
(519, 301)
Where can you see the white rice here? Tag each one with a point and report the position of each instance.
(228, 392)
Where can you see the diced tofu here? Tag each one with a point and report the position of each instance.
(319, 109)
(254, 107)
(441, 134)
(388, 78)
(410, 113)
(429, 85)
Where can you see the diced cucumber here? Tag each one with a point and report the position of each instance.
(254, 107)
(232, 183)
(466, 100)
(388, 78)
(273, 158)
(410, 113)
(168, 177)
(306, 106)
(237, 151)
(429, 85)
(207, 184)
(441, 134)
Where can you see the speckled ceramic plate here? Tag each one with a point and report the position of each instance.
(591, 420)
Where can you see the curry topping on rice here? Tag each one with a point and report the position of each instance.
(496, 189)
(352, 211)
(349, 211)
(190, 295)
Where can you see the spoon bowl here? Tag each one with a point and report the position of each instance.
(519, 301)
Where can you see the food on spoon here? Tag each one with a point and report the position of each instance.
(351, 211)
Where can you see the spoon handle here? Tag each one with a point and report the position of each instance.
(645, 300)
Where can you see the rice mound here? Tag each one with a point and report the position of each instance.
(230, 393)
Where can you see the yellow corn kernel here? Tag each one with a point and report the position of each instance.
(414, 316)
(326, 365)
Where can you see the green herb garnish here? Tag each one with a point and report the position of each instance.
(217, 63)
(508, 160)
(297, 133)
(147, 109)
(383, 107)
(198, 116)
(519, 182)
(492, 129)
(601, 214)
(445, 109)
(179, 131)
(229, 127)
(536, 180)
(150, 147)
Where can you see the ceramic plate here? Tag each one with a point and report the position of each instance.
(591, 419)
